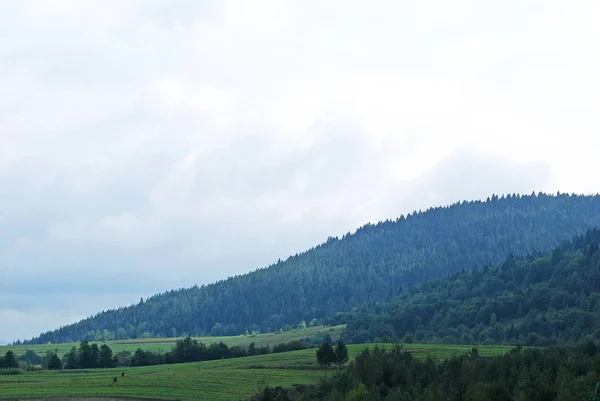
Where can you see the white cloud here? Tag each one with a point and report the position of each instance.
(168, 144)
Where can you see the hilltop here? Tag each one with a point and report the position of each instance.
(374, 264)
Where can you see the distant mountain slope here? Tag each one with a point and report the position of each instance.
(374, 263)
(543, 300)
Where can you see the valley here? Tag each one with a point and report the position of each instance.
(230, 379)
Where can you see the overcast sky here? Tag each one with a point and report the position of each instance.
(147, 145)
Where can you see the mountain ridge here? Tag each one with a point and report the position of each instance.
(375, 262)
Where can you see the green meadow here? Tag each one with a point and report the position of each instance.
(227, 379)
(165, 344)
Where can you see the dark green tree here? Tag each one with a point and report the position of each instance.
(71, 359)
(326, 356)
(54, 362)
(9, 360)
(123, 358)
(106, 359)
(85, 356)
(95, 355)
(188, 350)
(31, 357)
(341, 353)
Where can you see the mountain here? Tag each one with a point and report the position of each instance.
(374, 264)
(539, 300)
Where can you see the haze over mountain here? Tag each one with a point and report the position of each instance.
(373, 264)
(148, 145)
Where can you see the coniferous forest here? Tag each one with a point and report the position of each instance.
(540, 300)
(380, 261)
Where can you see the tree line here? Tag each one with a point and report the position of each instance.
(92, 356)
(378, 262)
(540, 300)
(558, 373)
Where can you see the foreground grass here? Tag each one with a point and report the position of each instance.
(228, 379)
(165, 344)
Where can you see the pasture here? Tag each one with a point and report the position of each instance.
(165, 344)
(227, 379)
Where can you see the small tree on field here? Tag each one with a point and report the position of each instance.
(341, 353)
(106, 359)
(54, 362)
(85, 355)
(326, 356)
(9, 361)
(71, 359)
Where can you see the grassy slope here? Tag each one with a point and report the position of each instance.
(229, 379)
(165, 344)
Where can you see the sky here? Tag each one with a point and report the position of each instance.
(149, 145)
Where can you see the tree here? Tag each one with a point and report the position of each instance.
(54, 362)
(341, 353)
(106, 360)
(188, 350)
(71, 359)
(85, 355)
(9, 360)
(31, 357)
(95, 355)
(326, 356)
(140, 358)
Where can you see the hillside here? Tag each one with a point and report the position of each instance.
(373, 264)
(549, 299)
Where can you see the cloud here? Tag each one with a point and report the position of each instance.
(466, 175)
(146, 145)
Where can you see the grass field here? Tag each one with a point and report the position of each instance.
(228, 379)
(165, 344)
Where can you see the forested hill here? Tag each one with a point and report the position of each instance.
(373, 264)
(538, 300)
